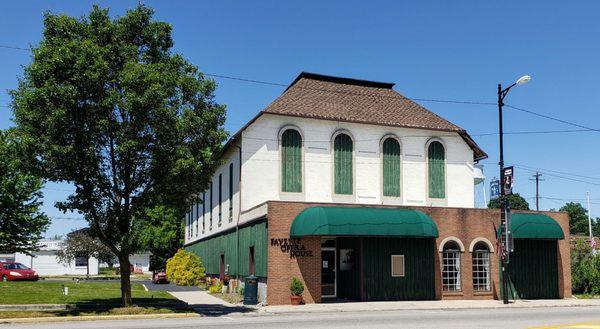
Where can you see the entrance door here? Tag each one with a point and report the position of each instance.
(533, 269)
(328, 272)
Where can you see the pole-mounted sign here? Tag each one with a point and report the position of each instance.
(508, 180)
(494, 189)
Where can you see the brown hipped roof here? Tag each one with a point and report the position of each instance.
(341, 99)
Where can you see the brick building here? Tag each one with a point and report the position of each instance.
(364, 195)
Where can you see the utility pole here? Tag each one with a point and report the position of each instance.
(537, 190)
(592, 241)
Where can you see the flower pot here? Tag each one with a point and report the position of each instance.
(296, 300)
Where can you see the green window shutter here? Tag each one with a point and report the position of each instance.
(343, 174)
(291, 161)
(391, 167)
(437, 181)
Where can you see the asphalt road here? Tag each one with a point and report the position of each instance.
(479, 318)
(167, 286)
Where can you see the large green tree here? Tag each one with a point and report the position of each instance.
(21, 221)
(578, 218)
(107, 106)
(515, 201)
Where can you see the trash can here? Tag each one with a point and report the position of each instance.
(251, 290)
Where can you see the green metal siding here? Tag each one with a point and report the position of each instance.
(291, 161)
(437, 180)
(419, 280)
(343, 172)
(533, 269)
(210, 250)
(391, 168)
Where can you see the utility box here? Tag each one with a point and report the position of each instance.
(251, 290)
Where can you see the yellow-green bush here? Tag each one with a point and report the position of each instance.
(185, 269)
(216, 288)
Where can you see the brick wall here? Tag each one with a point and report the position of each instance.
(464, 224)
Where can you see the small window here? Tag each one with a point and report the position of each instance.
(398, 265)
(220, 198)
(251, 261)
(342, 164)
(211, 207)
(81, 261)
(203, 211)
(231, 192)
(391, 167)
(437, 176)
(291, 161)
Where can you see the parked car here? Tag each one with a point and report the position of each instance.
(159, 277)
(16, 271)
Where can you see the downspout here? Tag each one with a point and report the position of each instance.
(237, 224)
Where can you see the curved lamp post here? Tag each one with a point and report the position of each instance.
(503, 201)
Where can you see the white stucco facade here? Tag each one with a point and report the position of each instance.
(45, 262)
(261, 169)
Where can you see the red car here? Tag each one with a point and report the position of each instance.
(16, 271)
(159, 277)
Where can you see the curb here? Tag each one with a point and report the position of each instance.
(342, 309)
(99, 317)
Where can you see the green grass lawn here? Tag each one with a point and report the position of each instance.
(51, 292)
(135, 310)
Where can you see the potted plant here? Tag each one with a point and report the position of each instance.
(296, 289)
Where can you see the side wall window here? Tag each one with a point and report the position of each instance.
(203, 211)
(291, 161)
(220, 198)
(230, 192)
(437, 175)
(211, 207)
(342, 167)
(391, 167)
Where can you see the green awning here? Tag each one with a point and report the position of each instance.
(350, 221)
(535, 226)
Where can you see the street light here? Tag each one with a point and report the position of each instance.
(503, 201)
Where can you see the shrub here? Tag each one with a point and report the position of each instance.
(585, 269)
(296, 287)
(216, 288)
(185, 269)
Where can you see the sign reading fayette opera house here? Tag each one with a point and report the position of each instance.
(292, 246)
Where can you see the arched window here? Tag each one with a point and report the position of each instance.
(291, 161)
(451, 267)
(481, 267)
(391, 167)
(342, 167)
(437, 175)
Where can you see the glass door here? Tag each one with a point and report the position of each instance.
(328, 272)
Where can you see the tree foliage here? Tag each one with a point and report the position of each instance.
(106, 106)
(81, 244)
(21, 221)
(585, 268)
(161, 233)
(185, 269)
(515, 201)
(578, 219)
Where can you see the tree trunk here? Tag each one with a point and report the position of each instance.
(125, 281)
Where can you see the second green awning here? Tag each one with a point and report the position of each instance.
(535, 226)
(353, 221)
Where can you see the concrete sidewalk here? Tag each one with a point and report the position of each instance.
(425, 305)
(203, 303)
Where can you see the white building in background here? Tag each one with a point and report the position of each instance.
(45, 261)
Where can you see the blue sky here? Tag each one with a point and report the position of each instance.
(430, 49)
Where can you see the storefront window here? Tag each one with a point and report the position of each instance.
(481, 267)
(451, 267)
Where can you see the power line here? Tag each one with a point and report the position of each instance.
(551, 118)
(13, 47)
(561, 177)
(558, 172)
